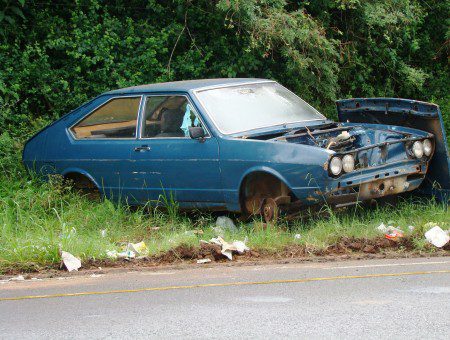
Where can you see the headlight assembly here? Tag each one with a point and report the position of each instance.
(427, 147)
(348, 163)
(335, 166)
(417, 149)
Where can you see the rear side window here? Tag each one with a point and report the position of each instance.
(115, 119)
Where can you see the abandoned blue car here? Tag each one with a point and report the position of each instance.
(244, 145)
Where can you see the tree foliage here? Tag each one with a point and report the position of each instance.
(55, 55)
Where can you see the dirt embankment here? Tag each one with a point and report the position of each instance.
(345, 248)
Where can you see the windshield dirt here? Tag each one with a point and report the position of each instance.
(248, 107)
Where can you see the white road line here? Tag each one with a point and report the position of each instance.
(388, 265)
(321, 266)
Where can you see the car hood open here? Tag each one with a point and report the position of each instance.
(408, 113)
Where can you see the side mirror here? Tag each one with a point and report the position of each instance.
(196, 132)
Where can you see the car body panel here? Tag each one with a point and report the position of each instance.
(187, 169)
(293, 164)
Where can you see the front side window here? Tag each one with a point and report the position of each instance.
(241, 108)
(115, 119)
(168, 117)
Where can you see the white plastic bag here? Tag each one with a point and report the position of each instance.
(437, 237)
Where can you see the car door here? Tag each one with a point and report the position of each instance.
(167, 162)
(101, 142)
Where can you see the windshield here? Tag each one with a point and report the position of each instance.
(248, 107)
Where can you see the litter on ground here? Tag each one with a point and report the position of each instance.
(394, 235)
(437, 237)
(17, 278)
(133, 250)
(70, 262)
(390, 232)
(297, 236)
(139, 249)
(229, 248)
(202, 261)
(127, 255)
(96, 275)
(112, 254)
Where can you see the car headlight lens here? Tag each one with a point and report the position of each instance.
(427, 147)
(335, 166)
(348, 163)
(417, 149)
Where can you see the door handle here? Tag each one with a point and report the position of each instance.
(142, 148)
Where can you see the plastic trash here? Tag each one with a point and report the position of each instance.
(382, 228)
(297, 236)
(240, 246)
(112, 254)
(70, 262)
(132, 251)
(411, 228)
(202, 261)
(139, 249)
(17, 278)
(103, 233)
(390, 230)
(394, 235)
(228, 248)
(127, 255)
(437, 237)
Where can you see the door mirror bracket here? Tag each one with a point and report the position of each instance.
(197, 132)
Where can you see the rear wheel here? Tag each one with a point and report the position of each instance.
(83, 185)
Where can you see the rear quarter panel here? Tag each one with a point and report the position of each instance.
(46, 151)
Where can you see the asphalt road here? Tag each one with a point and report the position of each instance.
(406, 298)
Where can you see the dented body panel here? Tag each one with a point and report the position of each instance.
(286, 165)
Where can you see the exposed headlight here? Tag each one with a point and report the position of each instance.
(427, 147)
(335, 166)
(417, 149)
(348, 163)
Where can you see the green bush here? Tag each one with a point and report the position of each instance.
(54, 57)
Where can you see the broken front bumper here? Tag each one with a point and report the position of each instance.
(381, 181)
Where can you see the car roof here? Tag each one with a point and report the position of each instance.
(185, 85)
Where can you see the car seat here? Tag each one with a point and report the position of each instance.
(171, 120)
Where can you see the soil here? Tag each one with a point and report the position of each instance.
(182, 256)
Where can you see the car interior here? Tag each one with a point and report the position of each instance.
(164, 116)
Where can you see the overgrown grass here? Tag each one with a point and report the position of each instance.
(37, 219)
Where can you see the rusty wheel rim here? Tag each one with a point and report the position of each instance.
(269, 210)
